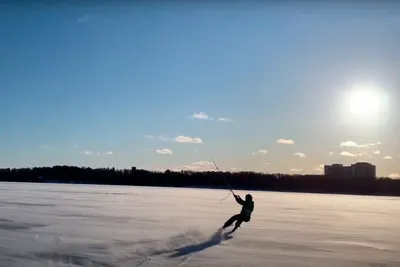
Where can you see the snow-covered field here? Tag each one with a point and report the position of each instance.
(90, 225)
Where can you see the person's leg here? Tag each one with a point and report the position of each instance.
(231, 220)
(237, 224)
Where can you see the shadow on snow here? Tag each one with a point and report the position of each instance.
(214, 240)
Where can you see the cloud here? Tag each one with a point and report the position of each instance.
(387, 157)
(90, 153)
(164, 151)
(198, 166)
(200, 116)
(376, 152)
(186, 139)
(299, 154)
(188, 167)
(267, 163)
(205, 116)
(394, 176)
(162, 138)
(330, 153)
(318, 169)
(203, 163)
(374, 144)
(82, 19)
(285, 141)
(350, 144)
(261, 151)
(347, 154)
(76, 146)
(296, 170)
(354, 144)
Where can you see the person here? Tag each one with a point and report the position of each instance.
(245, 213)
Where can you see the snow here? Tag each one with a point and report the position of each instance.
(94, 225)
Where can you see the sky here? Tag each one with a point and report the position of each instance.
(255, 86)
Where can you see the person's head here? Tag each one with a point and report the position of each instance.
(249, 197)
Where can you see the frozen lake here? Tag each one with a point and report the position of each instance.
(91, 225)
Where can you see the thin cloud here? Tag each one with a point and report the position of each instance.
(318, 169)
(387, 157)
(90, 153)
(374, 144)
(203, 163)
(260, 152)
(331, 153)
(347, 154)
(82, 19)
(296, 170)
(46, 147)
(204, 116)
(186, 139)
(198, 166)
(377, 152)
(354, 144)
(162, 138)
(299, 154)
(189, 167)
(351, 144)
(200, 116)
(267, 163)
(285, 141)
(394, 176)
(164, 151)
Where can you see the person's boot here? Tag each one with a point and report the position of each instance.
(225, 225)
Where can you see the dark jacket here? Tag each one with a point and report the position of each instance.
(247, 206)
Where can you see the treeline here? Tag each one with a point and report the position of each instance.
(210, 179)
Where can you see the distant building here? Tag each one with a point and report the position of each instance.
(363, 169)
(357, 170)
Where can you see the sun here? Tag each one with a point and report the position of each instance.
(364, 101)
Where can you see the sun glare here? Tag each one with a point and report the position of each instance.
(364, 101)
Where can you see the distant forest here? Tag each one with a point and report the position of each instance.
(208, 179)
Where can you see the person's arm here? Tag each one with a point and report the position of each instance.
(239, 200)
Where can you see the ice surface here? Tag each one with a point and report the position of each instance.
(91, 225)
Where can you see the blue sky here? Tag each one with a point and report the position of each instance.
(117, 84)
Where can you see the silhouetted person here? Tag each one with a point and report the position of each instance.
(245, 213)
